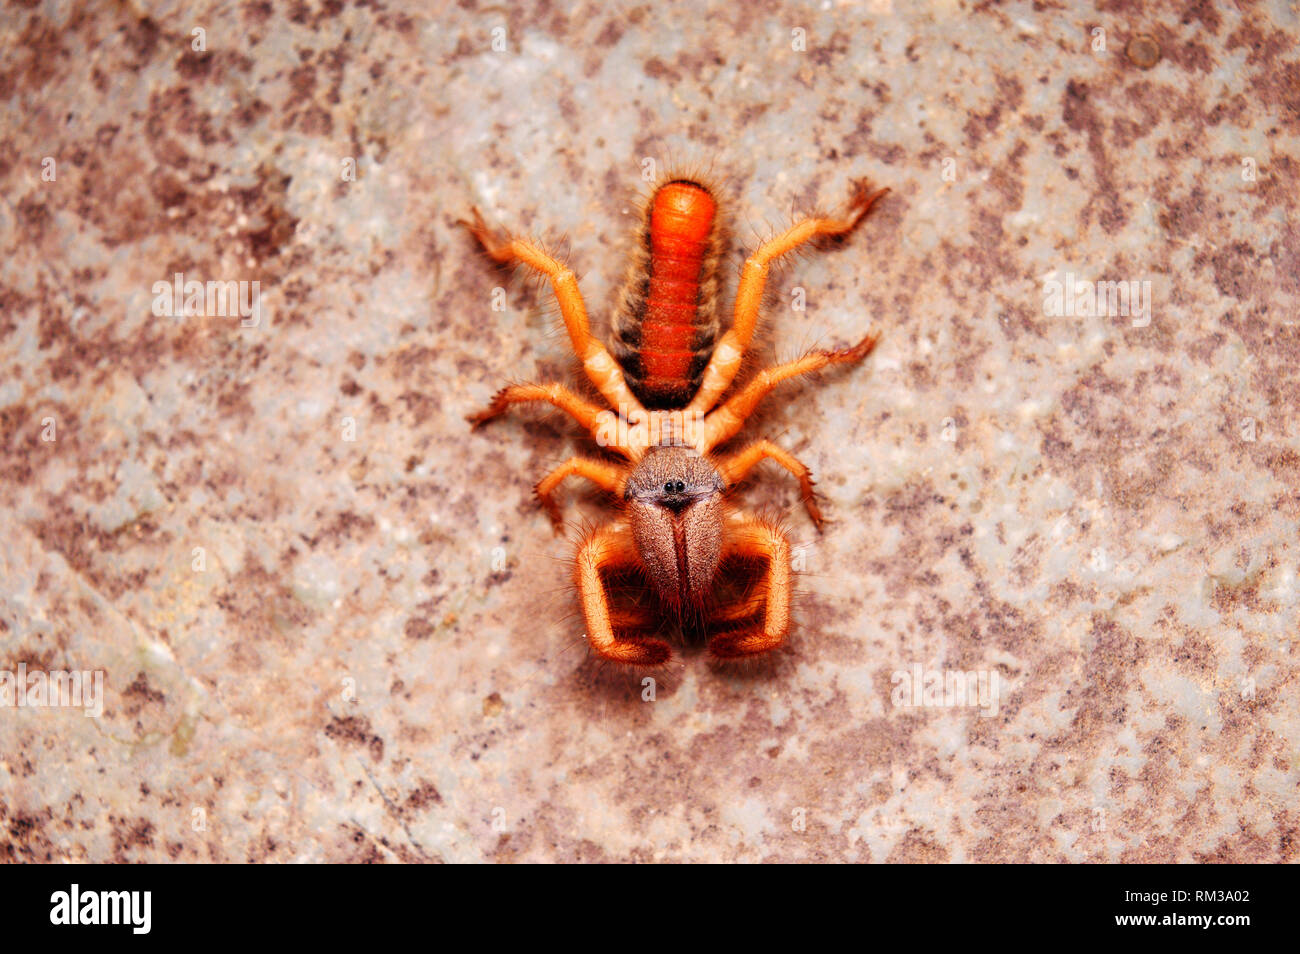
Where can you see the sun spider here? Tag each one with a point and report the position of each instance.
(668, 369)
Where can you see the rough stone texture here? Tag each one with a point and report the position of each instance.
(378, 659)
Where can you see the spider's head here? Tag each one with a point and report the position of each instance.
(674, 504)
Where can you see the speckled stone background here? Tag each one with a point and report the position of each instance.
(321, 648)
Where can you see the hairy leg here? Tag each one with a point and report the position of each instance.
(622, 619)
(738, 609)
(754, 538)
(734, 469)
(725, 421)
(607, 547)
(608, 477)
(598, 363)
(593, 419)
(733, 345)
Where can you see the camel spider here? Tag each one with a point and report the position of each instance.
(668, 371)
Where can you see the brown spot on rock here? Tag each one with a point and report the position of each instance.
(1143, 51)
(417, 627)
(424, 795)
(356, 731)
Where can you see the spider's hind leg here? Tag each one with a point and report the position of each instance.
(599, 365)
(733, 345)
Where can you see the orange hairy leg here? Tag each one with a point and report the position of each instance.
(585, 413)
(734, 469)
(733, 345)
(597, 362)
(749, 537)
(607, 547)
(725, 421)
(621, 618)
(609, 477)
(738, 609)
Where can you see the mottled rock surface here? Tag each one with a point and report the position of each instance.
(334, 624)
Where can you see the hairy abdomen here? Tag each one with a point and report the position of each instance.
(667, 319)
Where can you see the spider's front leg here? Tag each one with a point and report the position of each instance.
(607, 477)
(610, 547)
(749, 537)
(599, 365)
(734, 469)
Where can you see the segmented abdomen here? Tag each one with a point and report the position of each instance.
(667, 321)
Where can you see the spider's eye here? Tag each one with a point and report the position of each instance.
(674, 487)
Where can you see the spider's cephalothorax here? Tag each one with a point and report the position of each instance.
(673, 499)
(671, 364)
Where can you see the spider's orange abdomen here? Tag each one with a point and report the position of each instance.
(681, 220)
(668, 324)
